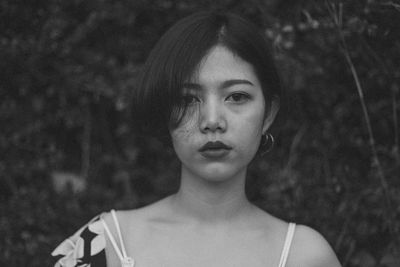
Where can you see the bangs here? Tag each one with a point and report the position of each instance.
(171, 63)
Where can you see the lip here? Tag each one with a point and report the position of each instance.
(215, 150)
(214, 146)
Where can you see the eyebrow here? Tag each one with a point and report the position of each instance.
(225, 84)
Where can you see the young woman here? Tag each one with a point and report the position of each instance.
(209, 87)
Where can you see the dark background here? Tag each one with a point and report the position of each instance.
(67, 153)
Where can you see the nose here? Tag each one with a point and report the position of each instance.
(212, 117)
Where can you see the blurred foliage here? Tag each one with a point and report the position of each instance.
(67, 68)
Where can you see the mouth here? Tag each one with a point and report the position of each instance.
(214, 146)
(215, 150)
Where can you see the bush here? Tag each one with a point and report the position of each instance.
(68, 67)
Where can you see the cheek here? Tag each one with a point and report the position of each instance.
(183, 135)
(250, 131)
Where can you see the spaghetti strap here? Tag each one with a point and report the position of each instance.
(125, 260)
(110, 236)
(286, 246)
(119, 232)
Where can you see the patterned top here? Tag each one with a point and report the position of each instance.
(86, 248)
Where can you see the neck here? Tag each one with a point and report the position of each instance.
(211, 201)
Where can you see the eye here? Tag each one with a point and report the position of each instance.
(238, 97)
(189, 99)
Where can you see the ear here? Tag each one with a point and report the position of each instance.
(271, 114)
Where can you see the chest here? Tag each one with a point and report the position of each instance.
(199, 249)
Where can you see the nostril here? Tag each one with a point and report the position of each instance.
(213, 125)
(212, 117)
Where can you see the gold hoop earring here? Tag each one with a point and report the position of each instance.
(267, 143)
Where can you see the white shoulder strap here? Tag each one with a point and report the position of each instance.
(125, 260)
(286, 246)
(119, 232)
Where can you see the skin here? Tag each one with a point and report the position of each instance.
(226, 104)
(209, 221)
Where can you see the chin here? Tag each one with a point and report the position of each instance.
(216, 173)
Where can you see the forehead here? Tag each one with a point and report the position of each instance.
(221, 64)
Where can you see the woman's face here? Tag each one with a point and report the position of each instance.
(225, 104)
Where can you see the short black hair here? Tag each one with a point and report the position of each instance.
(156, 102)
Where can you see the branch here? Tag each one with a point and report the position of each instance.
(337, 18)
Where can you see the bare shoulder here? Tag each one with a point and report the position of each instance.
(135, 218)
(310, 248)
(133, 225)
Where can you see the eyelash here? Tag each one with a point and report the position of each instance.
(242, 95)
(186, 98)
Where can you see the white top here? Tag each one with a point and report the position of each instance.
(127, 261)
